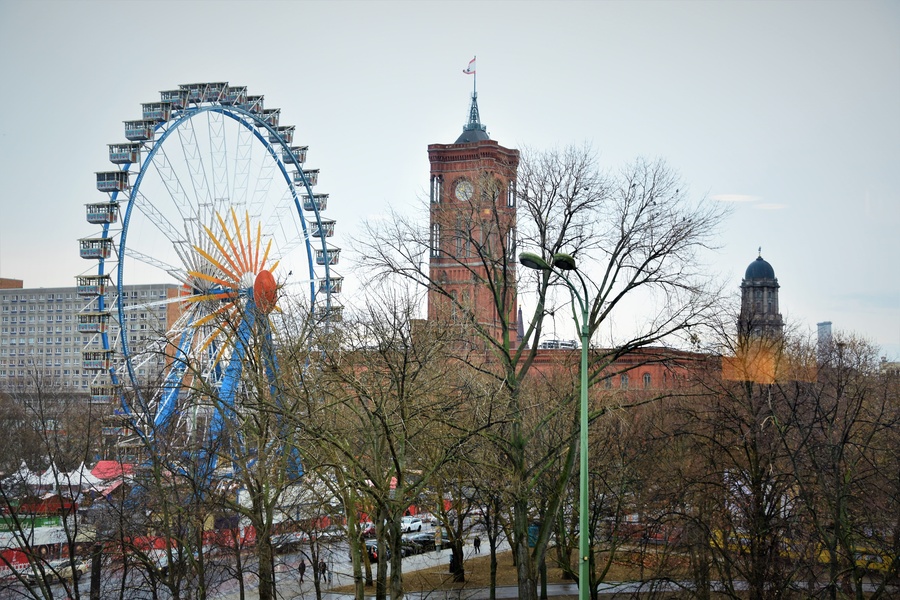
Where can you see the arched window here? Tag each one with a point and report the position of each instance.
(435, 240)
(436, 185)
(624, 381)
(647, 380)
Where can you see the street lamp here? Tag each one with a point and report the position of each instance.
(561, 264)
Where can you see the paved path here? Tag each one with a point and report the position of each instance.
(289, 588)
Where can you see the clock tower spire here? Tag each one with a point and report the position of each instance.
(473, 131)
(473, 229)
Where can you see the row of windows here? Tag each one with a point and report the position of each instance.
(31, 342)
(58, 297)
(437, 190)
(58, 372)
(623, 381)
(40, 351)
(85, 376)
(40, 319)
(49, 361)
(25, 297)
(31, 329)
(40, 341)
(36, 308)
(464, 246)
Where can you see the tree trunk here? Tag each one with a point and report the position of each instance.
(527, 580)
(266, 570)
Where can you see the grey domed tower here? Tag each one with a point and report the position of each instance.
(759, 302)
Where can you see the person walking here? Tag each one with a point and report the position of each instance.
(477, 543)
(323, 571)
(301, 568)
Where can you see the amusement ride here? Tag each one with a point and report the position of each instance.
(209, 197)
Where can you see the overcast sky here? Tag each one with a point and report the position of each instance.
(793, 108)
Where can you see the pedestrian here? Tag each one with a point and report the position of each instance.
(477, 543)
(323, 570)
(301, 568)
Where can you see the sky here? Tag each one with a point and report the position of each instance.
(788, 111)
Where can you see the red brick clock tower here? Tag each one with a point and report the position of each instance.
(473, 228)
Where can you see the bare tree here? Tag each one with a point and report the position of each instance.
(387, 419)
(838, 438)
(635, 236)
(58, 430)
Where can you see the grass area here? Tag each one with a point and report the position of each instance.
(478, 575)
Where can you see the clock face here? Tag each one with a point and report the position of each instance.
(464, 189)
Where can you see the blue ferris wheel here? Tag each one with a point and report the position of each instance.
(210, 235)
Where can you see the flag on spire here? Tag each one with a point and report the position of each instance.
(470, 70)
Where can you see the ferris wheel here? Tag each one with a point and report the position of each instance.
(210, 232)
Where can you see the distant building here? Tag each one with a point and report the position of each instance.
(891, 368)
(759, 354)
(44, 333)
(823, 339)
(553, 344)
(759, 316)
(10, 284)
(472, 220)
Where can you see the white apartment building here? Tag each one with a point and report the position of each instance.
(46, 333)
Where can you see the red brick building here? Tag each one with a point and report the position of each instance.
(473, 213)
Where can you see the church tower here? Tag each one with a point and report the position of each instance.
(473, 227)
(759, 303)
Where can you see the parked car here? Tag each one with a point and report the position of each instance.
(332, 533)
(71, 573)
(408, 524)
(367, 529)
(58, 570)
(428, 518)
(372, 549)
(426, 541)
(291, 541)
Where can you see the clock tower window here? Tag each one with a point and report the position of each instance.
(437, 182)
(435, 239)
(511, 242)
(511, 193)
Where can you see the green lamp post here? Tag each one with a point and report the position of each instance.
(562, 264)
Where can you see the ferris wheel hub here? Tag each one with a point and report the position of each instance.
(265, 291)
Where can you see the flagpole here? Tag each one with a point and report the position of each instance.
(475, 79)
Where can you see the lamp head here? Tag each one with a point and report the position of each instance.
(563, 261)
(533, 261)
